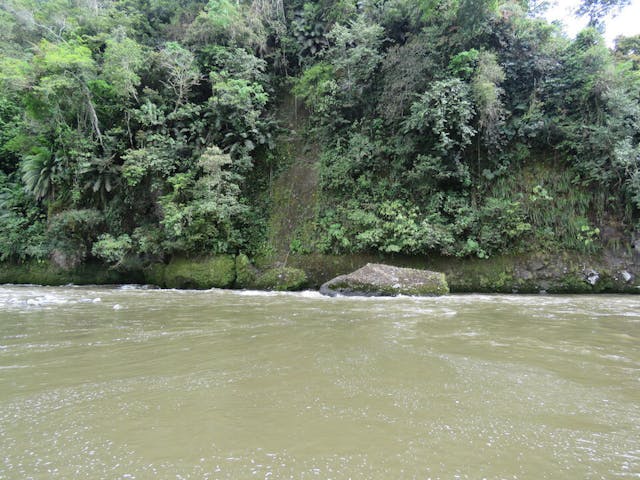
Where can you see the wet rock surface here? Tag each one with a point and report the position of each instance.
(385, 280)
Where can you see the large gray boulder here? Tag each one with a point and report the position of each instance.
(385, 280)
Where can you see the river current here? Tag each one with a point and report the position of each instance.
(134, 383)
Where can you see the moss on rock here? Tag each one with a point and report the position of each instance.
(387, 280)
(46, 273)
(245, 272)
(200, 273)
(154, 274)
(281, 279)
(564, 272)
(321, 267)
(614, 272)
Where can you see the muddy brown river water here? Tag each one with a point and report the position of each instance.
(133, 383)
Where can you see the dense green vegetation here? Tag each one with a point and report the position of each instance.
(137, 131)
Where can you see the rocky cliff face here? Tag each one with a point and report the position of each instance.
(610, 272)
(295, 194)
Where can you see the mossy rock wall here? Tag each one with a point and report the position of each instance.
(154, 274)
(610, 272)
(45, 273)
(281, 279)
(245, 272)
(198, 273)
(322, 268)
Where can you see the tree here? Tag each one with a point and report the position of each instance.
(22, 223)
(407, 70)
(354, 55)
(61, 87)
(598, 9)
(101, 176)
(183, 73)
(628, 48)
(122, 60)
(487, 94)
(443, 115)
(40, 171)
(204, 211)
(339, 88)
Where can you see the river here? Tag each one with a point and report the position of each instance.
(124, 383)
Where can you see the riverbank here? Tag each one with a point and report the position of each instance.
(608, 272)
(534, 273)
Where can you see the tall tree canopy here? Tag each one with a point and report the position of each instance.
(598, 9)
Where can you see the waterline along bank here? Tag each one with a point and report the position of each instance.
(609, 272)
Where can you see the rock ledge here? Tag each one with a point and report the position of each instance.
(384, 280)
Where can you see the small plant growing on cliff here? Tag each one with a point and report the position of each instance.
(540, 194)
(588, 235)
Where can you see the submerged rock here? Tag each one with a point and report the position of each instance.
(385, 280)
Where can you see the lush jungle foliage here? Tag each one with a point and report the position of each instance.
(134, 130)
